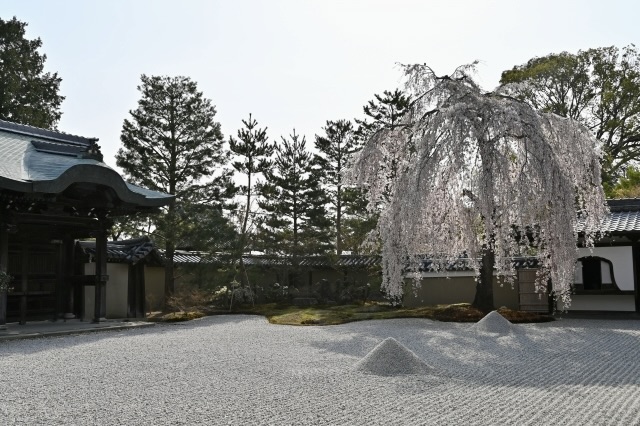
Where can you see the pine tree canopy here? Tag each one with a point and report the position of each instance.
(295, 204)
(28, 95)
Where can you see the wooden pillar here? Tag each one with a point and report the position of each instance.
(100, 307)
(67, 267)
(136, 292)
(4, 255)
(131, 291)
(60, 288)
(24, 285)
(635, 253)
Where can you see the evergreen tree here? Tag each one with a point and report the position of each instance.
(296, 222)
(628, 186)
(172, 144)
(28, 95)
(598, 87)
(384, 111)
(334, 150)
(253, 153)
(359, 230)
(132, 226)
(359, 234)
(203, 227)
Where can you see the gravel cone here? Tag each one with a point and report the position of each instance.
(493, 323)
(390, 358)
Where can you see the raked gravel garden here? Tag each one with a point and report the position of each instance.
(241, 370)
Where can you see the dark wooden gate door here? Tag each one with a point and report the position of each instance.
(34, 268)
(530, 300)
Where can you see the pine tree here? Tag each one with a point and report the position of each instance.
(335, 149)
(28, 95)
(296, 222)
(359, 235)
(253, 153)
(173, 144)
(384, 111)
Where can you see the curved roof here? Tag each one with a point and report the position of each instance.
(43, 161)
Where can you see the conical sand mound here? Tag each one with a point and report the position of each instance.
(493, 323)
(390, 358)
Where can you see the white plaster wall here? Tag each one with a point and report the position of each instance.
(117, 290)
(622, 260)
(595, 302)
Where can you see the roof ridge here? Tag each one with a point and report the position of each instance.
(623, 204)
(53, 135)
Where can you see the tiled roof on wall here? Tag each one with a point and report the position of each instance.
(464, 264)
(622, 221)
(125, 251)
(133, 251)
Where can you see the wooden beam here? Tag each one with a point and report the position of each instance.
(4, 256)
(81, 222)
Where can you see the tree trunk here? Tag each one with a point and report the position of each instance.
(244, 277)
(169, 285)
(339, 222)
(484, 285)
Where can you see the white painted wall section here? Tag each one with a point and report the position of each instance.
(601, 302)
(117, 290)
(622, 260)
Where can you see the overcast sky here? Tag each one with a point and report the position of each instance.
(293, 63)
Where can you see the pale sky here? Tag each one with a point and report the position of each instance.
(293, 63)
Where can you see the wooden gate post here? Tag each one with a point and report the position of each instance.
(4, 254)
(101, 276)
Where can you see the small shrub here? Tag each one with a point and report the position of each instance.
(221, 296)
(181, 316)
(186, 299)
(277, 293)
(240, 294)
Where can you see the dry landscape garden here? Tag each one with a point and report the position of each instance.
(237, 369)
(426, 263)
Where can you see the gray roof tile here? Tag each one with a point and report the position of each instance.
(36, 160)
(51, 135)
(623, 221)
(129, 251)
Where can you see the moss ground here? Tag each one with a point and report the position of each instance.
(332, 315)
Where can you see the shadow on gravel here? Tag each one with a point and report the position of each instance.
(568, 352)
(53, 343)
(565, 352)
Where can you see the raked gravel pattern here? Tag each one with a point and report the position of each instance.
(240, 370)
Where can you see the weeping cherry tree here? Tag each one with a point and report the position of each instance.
(485, 177)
